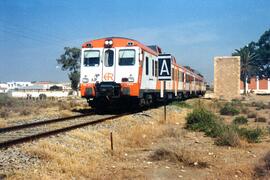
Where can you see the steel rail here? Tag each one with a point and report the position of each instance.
(24, 139)
(38, 123)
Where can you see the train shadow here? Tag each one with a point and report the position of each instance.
(124, 108)
(107, 111)
(117, 110)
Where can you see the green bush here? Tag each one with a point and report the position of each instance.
(240, 120)
(205, 121)
(181, 104)
(236, 102)
(251, 135)
(229, 109)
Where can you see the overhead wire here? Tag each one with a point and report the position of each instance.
(28, 33)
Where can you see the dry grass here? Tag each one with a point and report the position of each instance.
(260, 119)
(187, 157)
(62, 161)
(140, 135)
(2, 124)
(252, 115)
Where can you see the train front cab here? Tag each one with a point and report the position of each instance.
(109, 73)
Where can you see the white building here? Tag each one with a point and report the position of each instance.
(40, 89)
(3, 88)
(17, 84)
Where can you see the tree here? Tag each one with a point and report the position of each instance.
(70, 61)
(247, 62)
(263, 52)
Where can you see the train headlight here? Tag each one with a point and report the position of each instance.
(131, 79)
(108, 42)
(85, 80)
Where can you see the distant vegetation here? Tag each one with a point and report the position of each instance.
(255, 58)
(70, 61)
(240, 120)
(229, 109)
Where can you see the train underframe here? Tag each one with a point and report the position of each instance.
(109, 95)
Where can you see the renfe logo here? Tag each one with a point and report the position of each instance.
(108, 76)
(164, 67)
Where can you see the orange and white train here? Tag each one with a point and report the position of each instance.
(117, 69)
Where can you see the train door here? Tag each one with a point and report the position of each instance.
(108, 65)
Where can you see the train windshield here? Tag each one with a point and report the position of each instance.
(127, 57)
(91, 58)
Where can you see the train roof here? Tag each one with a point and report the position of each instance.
(127, 42)
(119, 42)
(155, 48)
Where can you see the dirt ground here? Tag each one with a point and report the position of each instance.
(145, 147)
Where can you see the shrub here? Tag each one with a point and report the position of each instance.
(251, 135)
(244, 110)
(229, 109)
(5, 100)
(240, 120)
(236, 102)
(211, 125)
(229, 137)
(4, 114)
(205, 121)
(64, 106)
(252, 115)
(189, 158)
(259, 105)
(262, 170)
(25, 112)
(181, 104)
(260, 119)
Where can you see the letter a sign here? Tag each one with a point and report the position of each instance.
(164, 67)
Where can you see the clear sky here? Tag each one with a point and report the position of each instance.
(33, 33)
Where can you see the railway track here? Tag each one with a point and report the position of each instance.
(18, 134)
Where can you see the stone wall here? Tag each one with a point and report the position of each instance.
(227, 77)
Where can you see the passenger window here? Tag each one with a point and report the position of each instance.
(153, 68)
(127, 57)
(182, 76)
(109, 58)
(146, 66)
(156, 69)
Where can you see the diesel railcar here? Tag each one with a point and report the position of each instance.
(117, 69)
